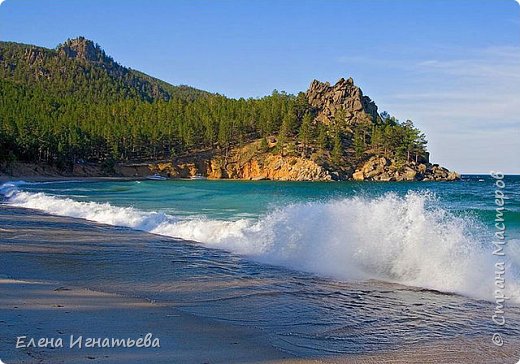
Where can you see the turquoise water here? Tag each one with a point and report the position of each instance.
(232, 199)
(322, 267)
(430, 235)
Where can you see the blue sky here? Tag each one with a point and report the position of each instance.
(453, 66)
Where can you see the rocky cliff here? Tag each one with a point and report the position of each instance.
(248, 162)
(344, 101)
(384, 169)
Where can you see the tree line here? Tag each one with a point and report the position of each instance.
(61, 110)
(36, 125)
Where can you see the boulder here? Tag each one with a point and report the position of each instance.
(409, 174)
(358, 176)
(453, 176)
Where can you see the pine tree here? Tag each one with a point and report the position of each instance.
(323, 140)
(337, 149)
(340, 118)
(376, 138)
(359, 144)
(305, 132)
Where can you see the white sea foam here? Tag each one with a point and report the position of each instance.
(408, 240)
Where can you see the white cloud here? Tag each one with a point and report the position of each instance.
(484, 89)
(489, 64)
(468, 103)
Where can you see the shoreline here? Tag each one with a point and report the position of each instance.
(55, 307)
(138, 171)
(45, 309)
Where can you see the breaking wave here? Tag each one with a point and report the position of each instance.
(407, 239)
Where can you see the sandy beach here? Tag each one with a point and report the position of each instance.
(35, 306)
(41, 309)
(46, 309)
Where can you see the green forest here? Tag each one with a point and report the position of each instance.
(61, 109)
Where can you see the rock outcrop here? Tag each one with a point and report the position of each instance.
(344, 100)
(81, 48)
(249, 163)
(246, 163)
(383, 169)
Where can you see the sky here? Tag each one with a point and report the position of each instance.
(451, 66)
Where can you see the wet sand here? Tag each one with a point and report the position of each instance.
(41, 308)
(47, 309)
(37, 306)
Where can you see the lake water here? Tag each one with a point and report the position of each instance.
(338, 267)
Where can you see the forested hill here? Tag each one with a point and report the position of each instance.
(80, 68)
(74, 105)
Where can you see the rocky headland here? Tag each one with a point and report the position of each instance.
(252, 162)
(84, 114)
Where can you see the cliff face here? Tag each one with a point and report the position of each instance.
(277, 168)
(268, 167)
(247, 163)
(344, 101)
